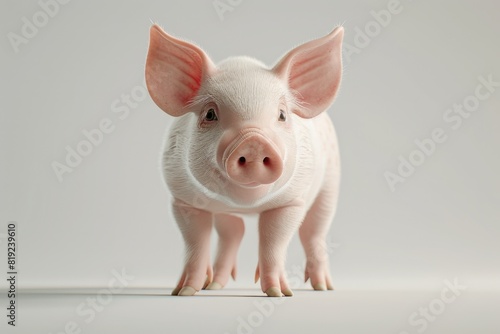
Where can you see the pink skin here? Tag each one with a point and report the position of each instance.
(249, 140)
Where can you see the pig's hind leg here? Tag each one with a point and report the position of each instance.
(230, 230)
(313, 234)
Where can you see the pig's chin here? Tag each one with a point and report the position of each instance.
(239, 193)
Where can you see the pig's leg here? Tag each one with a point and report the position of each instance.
(230, 230)
(313, 232)
(276, 228)
(195, 226)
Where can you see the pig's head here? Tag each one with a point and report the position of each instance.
(242, 114)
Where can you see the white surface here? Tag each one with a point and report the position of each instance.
(153, 311)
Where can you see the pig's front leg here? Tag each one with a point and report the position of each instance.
(276, 228)
(195, 226)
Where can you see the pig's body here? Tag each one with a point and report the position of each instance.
(249, 139)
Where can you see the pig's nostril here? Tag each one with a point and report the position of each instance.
(242, 160)
(266, 161)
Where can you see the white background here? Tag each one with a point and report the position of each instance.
(112, 211)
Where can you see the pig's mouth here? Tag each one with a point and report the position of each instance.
(247, 193)
(250, 185)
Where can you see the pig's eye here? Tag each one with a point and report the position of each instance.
(282, 117)
(211, 115)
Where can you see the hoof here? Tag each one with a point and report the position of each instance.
(273, 292)
(288, 293)
(214, 286)
(187, 291)
(320, 287)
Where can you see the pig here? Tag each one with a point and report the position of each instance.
(249, 139)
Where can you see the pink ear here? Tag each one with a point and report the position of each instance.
(174, 71)
(313, 71)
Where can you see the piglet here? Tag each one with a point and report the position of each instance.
(248, 139)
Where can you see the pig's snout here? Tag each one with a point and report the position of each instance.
(253, 160)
